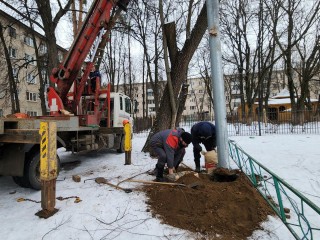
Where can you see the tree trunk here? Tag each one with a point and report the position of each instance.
(49, 27)
(179, 69)
(12, 83)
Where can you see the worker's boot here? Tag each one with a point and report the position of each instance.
(154, 172)
(197, 162)
(159, 176)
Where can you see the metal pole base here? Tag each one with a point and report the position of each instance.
(128, 158)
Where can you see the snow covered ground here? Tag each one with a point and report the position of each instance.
(295, 159)
(107, 213)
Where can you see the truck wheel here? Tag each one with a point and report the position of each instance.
(33, 171)
(21, 181)
(121, 149)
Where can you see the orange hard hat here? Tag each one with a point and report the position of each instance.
(124, 122)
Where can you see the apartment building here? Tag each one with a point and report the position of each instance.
(19, 42)
(277, 84)
(142, 96)
(198, 101)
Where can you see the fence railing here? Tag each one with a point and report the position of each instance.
(299, 214)
(302, 122)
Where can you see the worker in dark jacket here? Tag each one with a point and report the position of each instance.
(169, 146)
(205, 133)
(94, 76)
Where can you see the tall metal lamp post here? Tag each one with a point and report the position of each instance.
(217, 82)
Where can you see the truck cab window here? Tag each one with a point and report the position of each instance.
(128, 105)
(121, 104)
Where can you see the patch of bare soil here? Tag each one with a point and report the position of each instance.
(231, 209)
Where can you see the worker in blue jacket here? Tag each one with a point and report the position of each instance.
(94, 76)
(205, 133)
(169, 146)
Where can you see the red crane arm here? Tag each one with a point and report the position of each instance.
(97, 18)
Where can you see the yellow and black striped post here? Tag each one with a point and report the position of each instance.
(127, 143)
(48, 165)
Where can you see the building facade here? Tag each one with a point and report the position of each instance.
(199, 104)
(198, 101)
(18, 39)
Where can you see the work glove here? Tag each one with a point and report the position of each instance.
(171, 177)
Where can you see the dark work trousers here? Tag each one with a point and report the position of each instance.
(209, 144)
(93, 84)
(162, 156)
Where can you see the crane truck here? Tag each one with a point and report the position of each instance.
(86, 118)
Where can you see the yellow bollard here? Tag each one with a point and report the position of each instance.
(127, 141)
(48, 168)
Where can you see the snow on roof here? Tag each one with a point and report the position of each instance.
(282, 94)
(279, 101)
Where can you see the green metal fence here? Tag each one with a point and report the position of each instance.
(299, 214)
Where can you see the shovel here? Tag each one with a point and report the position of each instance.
(104, 181)
(192, 185)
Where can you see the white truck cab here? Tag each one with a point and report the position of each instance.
(120, 108)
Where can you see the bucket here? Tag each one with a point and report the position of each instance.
(210, 166)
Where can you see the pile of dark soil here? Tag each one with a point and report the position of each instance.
(231, 209)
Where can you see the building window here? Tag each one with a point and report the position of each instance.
(192, 107)
(201, 91)
(12, 32)
(44, 75)
(32, 113)
(15, 74)
(29, 59)
(31, 96)
(152, 109)
(150, 101)
(1, 113)
(282, 108)
(43, 49)
(30, 78)
(28, 40)
(12, 52)
(14, 95)
(149, 93)
(235, 87)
